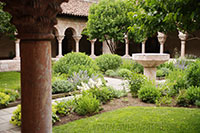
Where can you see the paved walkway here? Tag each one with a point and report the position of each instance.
(5, 114)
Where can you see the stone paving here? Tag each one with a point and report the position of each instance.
(5, 114)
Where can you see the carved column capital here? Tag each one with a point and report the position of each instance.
(183, 36)
(60, 37)
(93, 41)
(77, 38)
(161, 37)
(34, 19)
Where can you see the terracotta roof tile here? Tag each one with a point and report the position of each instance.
(76, 7)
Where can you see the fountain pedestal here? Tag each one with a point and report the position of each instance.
(150, 62)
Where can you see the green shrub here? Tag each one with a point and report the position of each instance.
(111, 73)
(167, 89)
(169, 65)
(193, 94)
(178, 78)
(87, 104)
(63, 107)
(108, 61)
(193, 74)
(132, 66)
(182, 64)
(149, 93)
(159, 73)
(197, 103)
(124, 73)
(12, 93)
(166, 100)
(73, 59)
(4, 99)
(182, 99)
(16, 117)
(135, 82)
(62, 86)
(118, 93)
(103, 94)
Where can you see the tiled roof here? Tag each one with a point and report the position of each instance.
(76, 7)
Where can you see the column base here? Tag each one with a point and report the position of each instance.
(59, 56)
(93, 56)
(126, 56)
(16, 58)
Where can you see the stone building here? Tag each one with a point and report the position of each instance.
(72, 21)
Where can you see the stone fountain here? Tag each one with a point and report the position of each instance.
(150, 61)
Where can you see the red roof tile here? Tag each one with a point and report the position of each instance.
(76, 7)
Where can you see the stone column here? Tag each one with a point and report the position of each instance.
(59, 38)
(17, 50)
(77, 39)
(143, 46)
(161, 38)
(183, 37)
(92, 48)
(34, 21)
(127, 44)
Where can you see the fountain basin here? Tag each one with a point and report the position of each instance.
(150, 61)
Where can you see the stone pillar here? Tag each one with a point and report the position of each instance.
(77, 39)
(127, 44)
(161, 38)
(34, 21)
(143, 46)
(106, 49)
(92, 48)
(183, 37)
(59, 38)
(17, 50)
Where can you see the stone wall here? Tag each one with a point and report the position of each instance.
(9, 65)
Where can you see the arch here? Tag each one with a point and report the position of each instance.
(72, 30)
(54, 43)
(98, 48)
(68, 43)
(85, 45)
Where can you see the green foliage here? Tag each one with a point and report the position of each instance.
(118, 93)
(193, 74)
(167, 89)
(178, 79)
(197, 103)
(166, 100)
(12, 93)
(135, 82)
(124, 73)
(16, 118)
(87, 104)
(5, 26)
(108, 20)
(62, 86)
(111, 73)
(4, 99)
(108, 61)
(73, 61)
(102, 94)
(182, 99)
(193, 94)
(55, 117)
(162, 72)
(64, 107)
(149, 93)
(169, 65)
(159, 73)
(132, 66)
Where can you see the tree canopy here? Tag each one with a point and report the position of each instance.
(108, 21)
(5, 26)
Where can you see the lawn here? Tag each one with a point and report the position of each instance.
(10, 80)
(137, 119)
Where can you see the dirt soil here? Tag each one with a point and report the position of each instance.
(112, 105)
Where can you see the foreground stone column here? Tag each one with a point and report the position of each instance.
(77, 39)
(59, 38)
(34, 21)
(17, 50)
(183, 37)
(92, 48)
(161, 38)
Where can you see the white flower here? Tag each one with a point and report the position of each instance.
(91, 83)
(99, 83)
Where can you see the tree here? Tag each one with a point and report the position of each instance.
(165, 16)
(108, 21)
(6, 27)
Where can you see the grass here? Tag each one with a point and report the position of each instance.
(10, 80)
(137, 120)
